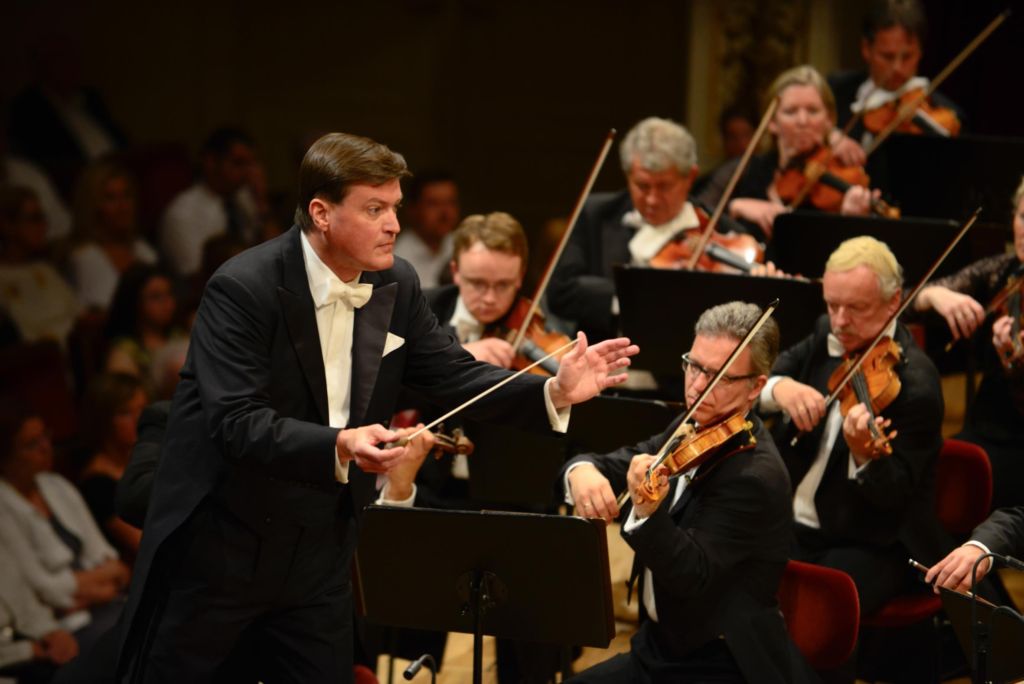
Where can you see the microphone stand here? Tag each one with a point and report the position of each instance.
(417, 665)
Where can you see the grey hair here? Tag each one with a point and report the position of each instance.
(658, 144)
(735, 319)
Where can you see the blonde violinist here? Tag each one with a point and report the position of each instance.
(711, 544)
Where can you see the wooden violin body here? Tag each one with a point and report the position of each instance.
(875, 384)
(742, 252)
(917, 113)
(822, 181)
(537, 342)
(1008, 303)
(692, 447)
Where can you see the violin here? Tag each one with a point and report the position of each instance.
(874, 383)
(724, 253)
(1008, 303)
(457, 443)
(537, 340)
(916, 114)
(823, 181)
(691, 448)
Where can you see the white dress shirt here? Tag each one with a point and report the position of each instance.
(649, 240)
(804, 510)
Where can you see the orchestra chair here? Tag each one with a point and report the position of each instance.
(963, 494)
(363, 675)
(822, 613)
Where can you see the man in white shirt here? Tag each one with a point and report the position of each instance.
(219, 203)
(275, 437)
(858, 508)
(432, 212)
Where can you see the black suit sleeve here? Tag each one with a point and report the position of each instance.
(1003, 532)
(579, 291)
(134, 487)
(689, 560)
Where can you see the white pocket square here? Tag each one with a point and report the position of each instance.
(392, 343)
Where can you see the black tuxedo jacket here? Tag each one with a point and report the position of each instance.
(718, 555)
(253, 394)
(1003, 531)
(893, 498)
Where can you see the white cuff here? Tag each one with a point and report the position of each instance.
(768, 402)
(853, 470)
(565, 482)
(404, 503)
(559, 418)
(340, 468)
(632, 522)
(975, 542)
(615, 305)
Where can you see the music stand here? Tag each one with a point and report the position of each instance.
(802, 242)
(659, 307)
(1005, 659)
(477, 572)
(606, 423)
(511, 466)
(950, 177)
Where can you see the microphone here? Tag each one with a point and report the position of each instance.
(1012, 562)
(417, 665)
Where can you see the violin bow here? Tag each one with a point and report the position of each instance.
(908, 111)
(520, 335)
(665, 449)
(854, 367)
(709, 230)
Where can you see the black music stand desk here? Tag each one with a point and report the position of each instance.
(1004, 658)
(659, 307)
(512, 575)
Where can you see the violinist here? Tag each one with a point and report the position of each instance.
(711, 549)
(891, 44)
(856, 508)
(659, 160)
(995, 421)
(804, 117)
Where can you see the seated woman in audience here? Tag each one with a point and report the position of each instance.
(38, 644)
(35, 301)
(995, 421)
(805, 116)
(110, 415)
(51, 537)
(144, 341)
(105, 232)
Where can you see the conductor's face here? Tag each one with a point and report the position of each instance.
(358, 234)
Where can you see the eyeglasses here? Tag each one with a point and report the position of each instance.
(691, 366)
(501, 288)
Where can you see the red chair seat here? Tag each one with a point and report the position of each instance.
(904, 611)
(821, 609)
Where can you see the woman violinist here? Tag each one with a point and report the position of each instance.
(965, 300)
(802, 122)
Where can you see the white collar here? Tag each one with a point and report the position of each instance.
(319, 274)
(467, 327)
(649, 240)
(870, 96)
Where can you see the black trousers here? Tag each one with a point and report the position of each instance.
(281, 588)
(648, 663)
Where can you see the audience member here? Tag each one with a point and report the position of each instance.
(144, 341)
(110, 415)
(431, 214)
(17, 171)
(220, 202)
(35, 301)
(106, 232)
(51, 536)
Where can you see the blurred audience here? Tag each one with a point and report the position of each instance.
(110, 416)
(221, 202)
(50, 535)
(35, 301)
(17, 171)
(431, 214)
(106, 233)
(144, 340)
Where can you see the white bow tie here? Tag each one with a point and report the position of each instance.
(354, 295)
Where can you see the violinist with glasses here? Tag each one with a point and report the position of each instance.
(864, 471)
(711, 542)
(986, 296)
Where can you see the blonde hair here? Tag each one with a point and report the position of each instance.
(1019, 195)
(805, 75)
(876, 255)
(497, 231)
